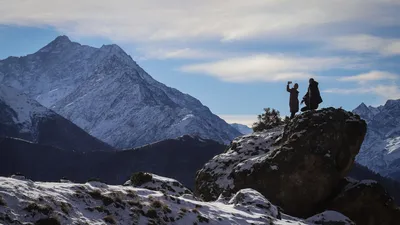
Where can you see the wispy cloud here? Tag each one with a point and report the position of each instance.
(385, 91)
(180, 53)
(181, 20)
(270, 68)
(371, 76)
(367, 44)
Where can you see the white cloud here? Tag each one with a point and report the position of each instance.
(367, 44)
(241, 119)
(344, 91)
(180, 53)
(386, 91)
(270, 68)
(371, 76)
(182, 20)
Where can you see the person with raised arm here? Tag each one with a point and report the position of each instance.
(294, 99)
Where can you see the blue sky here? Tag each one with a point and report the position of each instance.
(234, 56)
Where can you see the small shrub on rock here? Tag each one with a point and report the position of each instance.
(109, 219)
(151, 213)
(140, 178)
(269, 119)
(131, 194)
(44, 209)
(166, 209)
(65, 207)
(202, 219)
(156, 204)
(105, 199)
(184, 210)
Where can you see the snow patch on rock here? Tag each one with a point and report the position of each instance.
(244, 153)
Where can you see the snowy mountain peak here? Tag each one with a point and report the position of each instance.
(105, 92)
(362, 108)
(380, 151)
(366, 112)
(113, 47)
(363, 105)
(59, 44)
(62, 39)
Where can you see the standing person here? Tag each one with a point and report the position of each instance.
(294, 99)
(312, 98)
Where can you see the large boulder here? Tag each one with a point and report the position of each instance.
(296, 166)
(157, 183)
(365, 202)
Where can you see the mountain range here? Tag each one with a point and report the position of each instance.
(178, 158)
(380, 151)
(104, 92)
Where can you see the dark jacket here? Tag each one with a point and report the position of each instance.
(294, 99)
(313, 97)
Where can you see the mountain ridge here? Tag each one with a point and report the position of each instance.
(243, 129)
(178, 158)
(106, 93)
(380, 151)
(22, 117)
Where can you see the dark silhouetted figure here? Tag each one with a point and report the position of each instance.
(294, 99)
(312, 98)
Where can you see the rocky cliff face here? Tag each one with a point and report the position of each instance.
(106, 93)
(298, 166)
(287, 162)
(380, 151)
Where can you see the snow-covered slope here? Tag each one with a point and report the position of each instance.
(106, 93)
(243, 129)
(22, 117)
(24, 201)
(381, 148)
(18, 109)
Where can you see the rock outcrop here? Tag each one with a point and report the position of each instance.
(365, 202)
(296, 166)
(157, 183)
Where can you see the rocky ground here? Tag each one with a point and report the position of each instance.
(292, 174)
(145, 199)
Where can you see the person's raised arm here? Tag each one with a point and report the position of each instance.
(287, 87)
